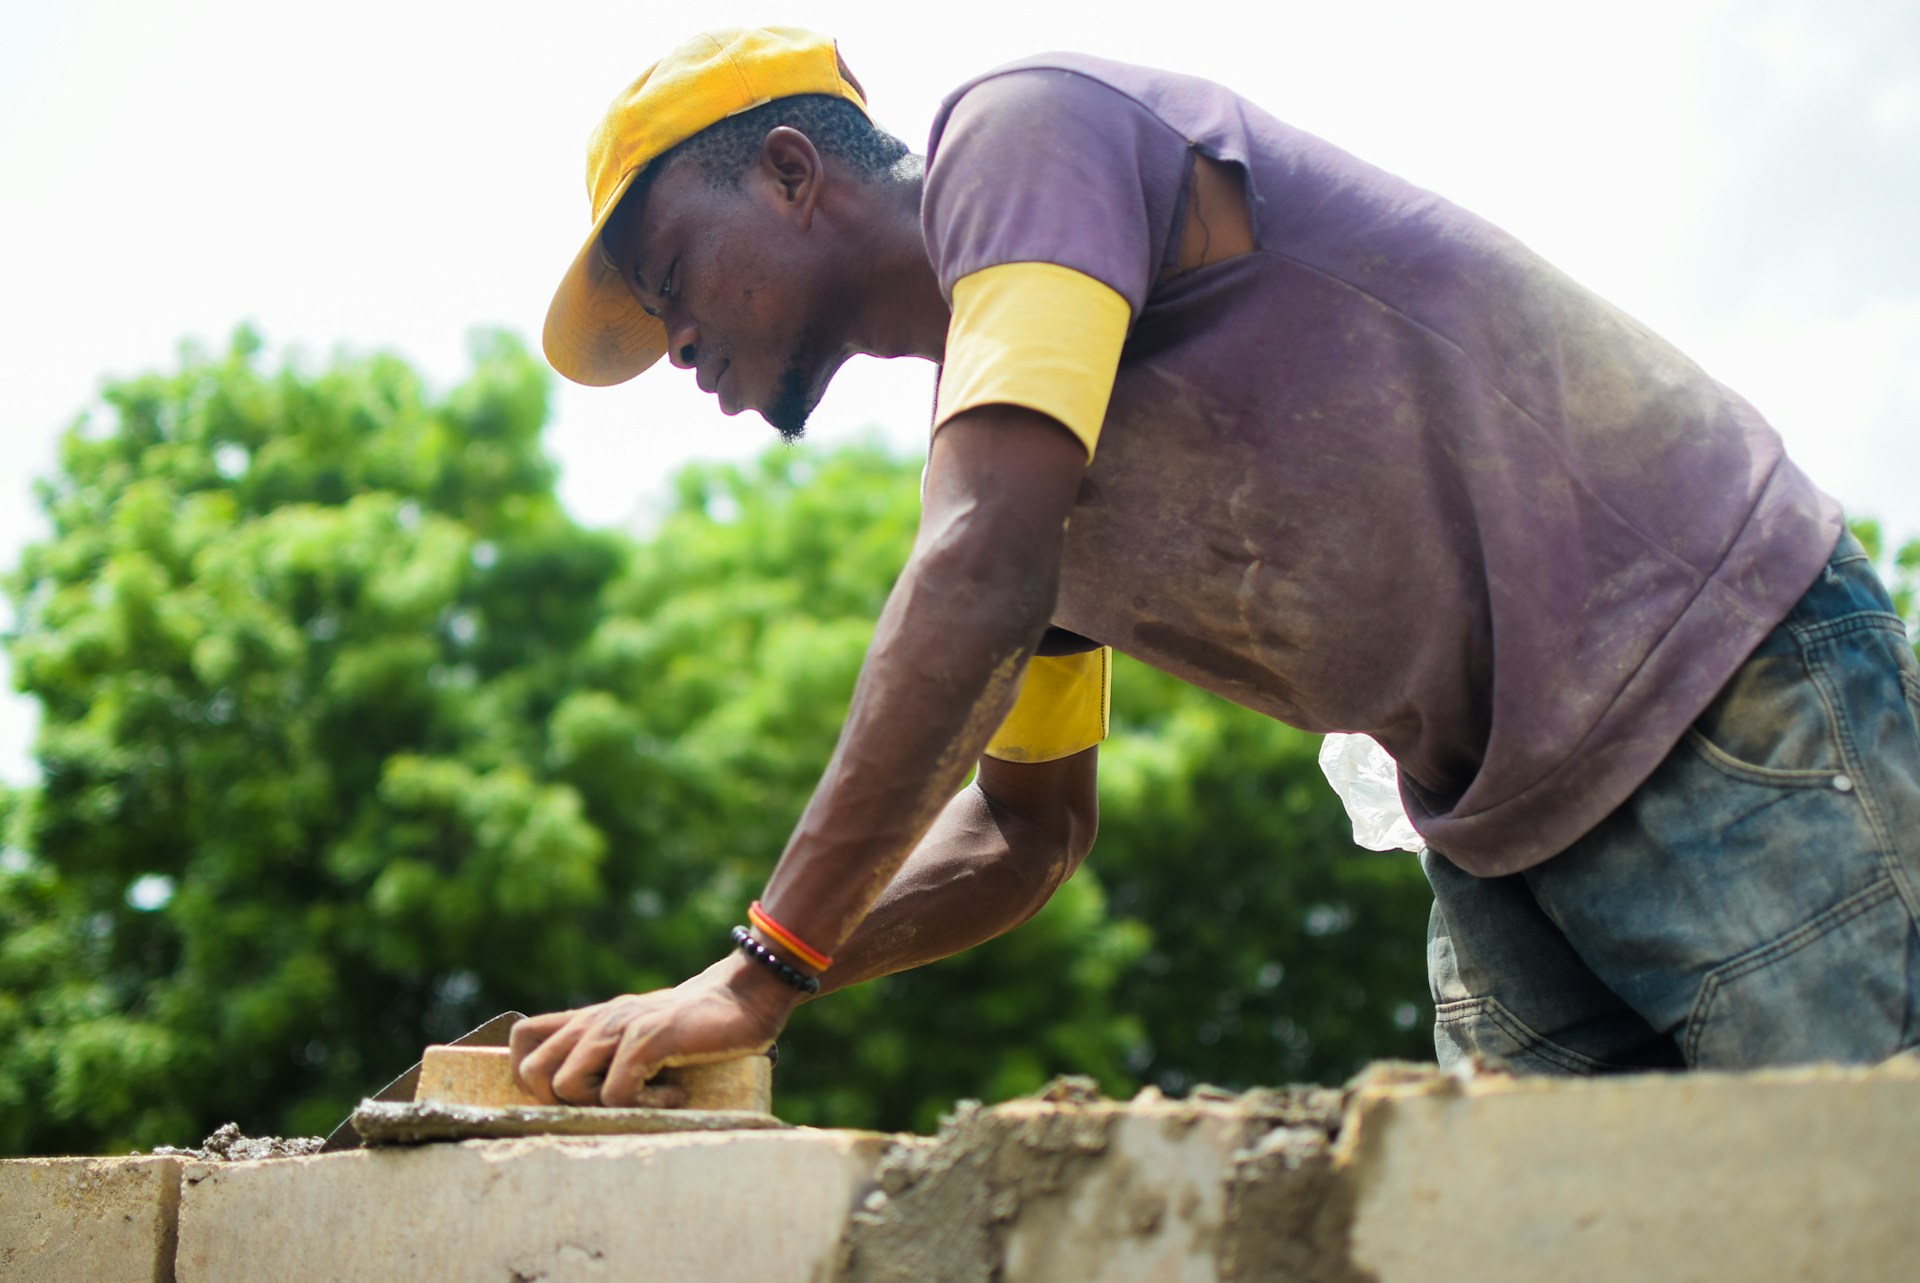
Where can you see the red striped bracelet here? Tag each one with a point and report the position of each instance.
(787, 939)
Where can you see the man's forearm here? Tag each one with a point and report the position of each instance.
(938, 680)
(944, 666)
(987, 865)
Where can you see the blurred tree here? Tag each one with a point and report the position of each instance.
(295, 637)
(352, 738)
(1281, 951)
(1899, 567)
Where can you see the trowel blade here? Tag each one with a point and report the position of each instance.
(493, 1033)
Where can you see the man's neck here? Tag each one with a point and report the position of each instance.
(893, 302)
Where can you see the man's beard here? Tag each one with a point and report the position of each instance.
(792, 404)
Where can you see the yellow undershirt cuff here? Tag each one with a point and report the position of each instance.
(1061, 709)
(1036, 335)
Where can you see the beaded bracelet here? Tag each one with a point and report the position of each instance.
(792, 943)
(744, 941)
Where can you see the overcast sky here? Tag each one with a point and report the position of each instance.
(1742, 175)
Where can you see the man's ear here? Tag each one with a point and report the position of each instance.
(791, 166)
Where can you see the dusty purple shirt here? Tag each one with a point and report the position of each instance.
(1390, 472)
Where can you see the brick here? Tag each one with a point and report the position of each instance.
(767, 1206)
(87, 1220)
(1657, 1178)
(484, 1076)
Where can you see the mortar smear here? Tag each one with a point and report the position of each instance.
(229, 1144)
(943, 1206)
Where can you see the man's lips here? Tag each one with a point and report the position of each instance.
(724, 390)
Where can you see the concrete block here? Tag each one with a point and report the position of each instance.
(87, 1220)
(1801, 1175)
(767, 1206)
(1148, 1211)
(1073, 1189)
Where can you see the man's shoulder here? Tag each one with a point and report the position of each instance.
(1043, 88)
(1100, 70)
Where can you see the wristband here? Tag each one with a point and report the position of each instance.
(743, 940)
(786, 939)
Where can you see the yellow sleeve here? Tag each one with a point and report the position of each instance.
(1061, 709)
(1036, 335)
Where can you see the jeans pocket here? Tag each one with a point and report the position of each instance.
(1772, 722)
(1778, 777)
(1483, 1027)
(1839, 987)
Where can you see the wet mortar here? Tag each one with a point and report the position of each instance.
(229, 1144)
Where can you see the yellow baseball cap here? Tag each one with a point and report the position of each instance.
(595, 333)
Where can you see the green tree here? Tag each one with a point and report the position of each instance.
(295, 637)
(1899, 567)
(1281, 952)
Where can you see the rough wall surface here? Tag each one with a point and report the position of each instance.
(1073, 1187)
(88, 1220)
(766, 1206)
(1406, 1176)
(1411, 1176)
(1814, 1175)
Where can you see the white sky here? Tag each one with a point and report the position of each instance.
(1742, 175)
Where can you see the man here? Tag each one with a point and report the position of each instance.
(1220, 395)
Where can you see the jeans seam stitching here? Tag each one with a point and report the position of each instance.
(1784, 946)
(1855, 622)
(1886, 847)
(1765, 776)
(1530, 1039)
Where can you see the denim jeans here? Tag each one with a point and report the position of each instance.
(1755, 902)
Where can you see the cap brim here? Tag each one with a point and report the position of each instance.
(596, 333)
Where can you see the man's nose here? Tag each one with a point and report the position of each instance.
(683, 344)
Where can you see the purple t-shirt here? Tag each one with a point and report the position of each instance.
(1390, 472)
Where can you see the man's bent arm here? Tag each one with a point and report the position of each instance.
(998, 852)
(976, 593)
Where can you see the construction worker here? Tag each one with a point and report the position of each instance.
(1222, 396)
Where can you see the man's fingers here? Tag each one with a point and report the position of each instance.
(540, 1045)
(630, 1067)
(529, 1032)
(604, 1054)
(578, 1079)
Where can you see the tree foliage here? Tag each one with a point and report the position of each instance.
(352, 738)
(296, 639)
(1899, 567)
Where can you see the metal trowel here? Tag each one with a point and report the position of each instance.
(494, 1033)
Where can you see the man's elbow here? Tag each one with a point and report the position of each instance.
(1082, 827)
(1048, 814)
(1052, 859)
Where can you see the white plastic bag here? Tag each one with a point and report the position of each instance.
(1369, 787)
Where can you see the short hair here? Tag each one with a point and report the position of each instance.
(726, 149)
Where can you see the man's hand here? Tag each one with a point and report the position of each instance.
(604, 1054)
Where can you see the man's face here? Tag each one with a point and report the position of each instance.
(725, 268)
